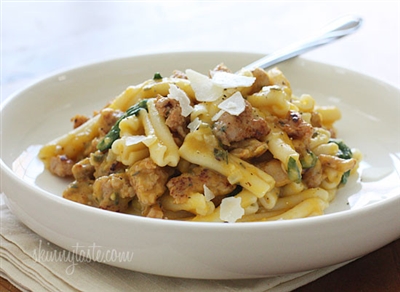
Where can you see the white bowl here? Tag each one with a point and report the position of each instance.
(363, 217)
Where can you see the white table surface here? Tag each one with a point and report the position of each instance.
(39, 38)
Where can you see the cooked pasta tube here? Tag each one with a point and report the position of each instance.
(291, 189)
(128, 152)
(307, 208)
(282, 149)
(163, 150)
(291, 201)
(213, 217)
(329, 114)
(332, 194)
(131, 126)
(202, 148)
(305, 103)
(196, 204)
(271, 98)
(149, 89)
(329, 149)
(321, 136)
(261, 216)
(129, 148)
(247, 200)
(270, 199)
(71, 144)
(277, 77)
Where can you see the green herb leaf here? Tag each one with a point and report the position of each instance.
(344, 150)
(221, 154)
(157, 76)
(113, 134)
(293, 170)
(345, 177)
(344, 153)
(309, 160)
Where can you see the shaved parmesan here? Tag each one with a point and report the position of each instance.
(230, 80)
(208, 193)
(231, 209)
(234, 105)
(194, 125)
(133, 140)
(203, 87)
(217, 115)
(178, 94)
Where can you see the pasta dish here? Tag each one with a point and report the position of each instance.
(222, 147)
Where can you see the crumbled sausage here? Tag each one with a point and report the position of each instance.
(172, 112)
(182, 186)
(113, 192)
(248, 148)
(108, 117)
(296, 128)
(179, 74)
(61, 165)
(274, 169)
(83, 170)
(229, 128)
(262, 80)
(148, 180)
(78, 120)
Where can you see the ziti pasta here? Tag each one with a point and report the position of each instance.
(223, 147)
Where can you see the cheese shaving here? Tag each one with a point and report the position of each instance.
(231, 209)
(230, 80)
(234, 105)
(133, 140)
(194, 125)
(178, 94)
(205, 89)
(217, 115)
(208, 193)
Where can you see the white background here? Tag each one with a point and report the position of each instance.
(40, 37)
